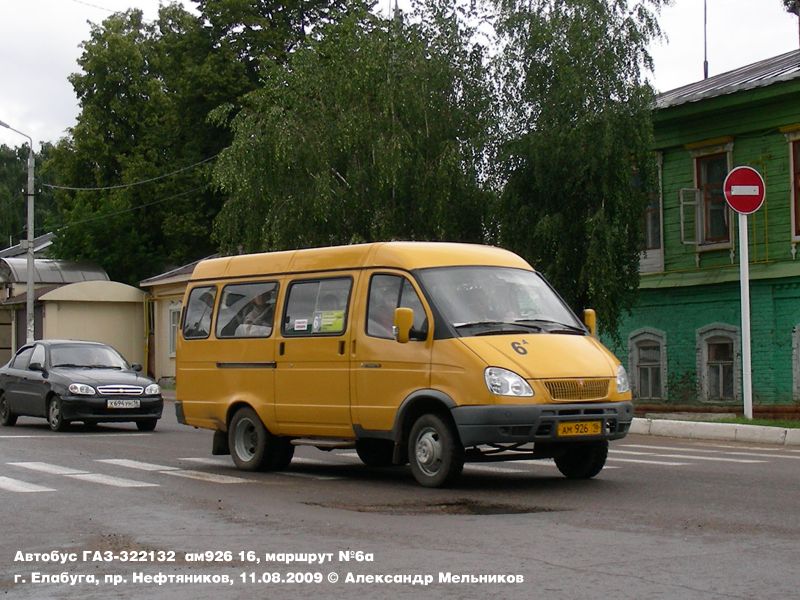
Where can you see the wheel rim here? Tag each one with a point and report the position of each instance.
(3, 407)
(55, 413)
(246, 439)
(428, 451)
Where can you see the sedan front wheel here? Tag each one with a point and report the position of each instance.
(55, 415)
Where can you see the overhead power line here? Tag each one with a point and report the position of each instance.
(127, 210)
(127, 185)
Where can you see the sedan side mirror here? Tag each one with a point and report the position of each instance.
(136, 367)
(35, 366)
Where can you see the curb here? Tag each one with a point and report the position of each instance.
(716, 431)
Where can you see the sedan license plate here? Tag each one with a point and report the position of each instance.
(574, 428)
(122, 404)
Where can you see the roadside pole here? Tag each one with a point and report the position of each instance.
(744, 192)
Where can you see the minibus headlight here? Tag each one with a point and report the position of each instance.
(152, 389)
(81, 389)
(502, 382)
(623, 384)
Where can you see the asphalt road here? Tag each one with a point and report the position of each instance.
(665, 519)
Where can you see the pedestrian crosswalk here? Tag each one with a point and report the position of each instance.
(127, 473)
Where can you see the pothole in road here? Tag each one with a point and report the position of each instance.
(452, 507)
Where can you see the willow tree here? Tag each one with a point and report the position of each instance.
(577, 164)
(373, 129)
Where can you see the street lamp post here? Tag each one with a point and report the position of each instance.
(29, 239)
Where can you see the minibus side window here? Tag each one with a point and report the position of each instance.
(247, 310)
(317, 307)
(197, 319)
(387, 292)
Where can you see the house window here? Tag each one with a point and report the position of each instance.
(710, 172)
(652, 224)
(718, 348)
(648, 363)
(795, 151)
(174, 325)
(719, 367)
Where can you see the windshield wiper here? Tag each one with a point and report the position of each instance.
(102, 367)
(70, 365)
(561, 327)
(498, 324)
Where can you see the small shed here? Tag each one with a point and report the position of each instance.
(100, 311)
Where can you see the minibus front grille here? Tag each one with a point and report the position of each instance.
(577, 389)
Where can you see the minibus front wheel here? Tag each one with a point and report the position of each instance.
(434, 451)
(582, 460)
(252, 447)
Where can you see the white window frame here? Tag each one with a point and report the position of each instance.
(173, 326)
(685, 199)
(652, 260)
(708, 334)
(793, 139)
(653, 336)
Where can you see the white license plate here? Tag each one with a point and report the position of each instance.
(122, 404)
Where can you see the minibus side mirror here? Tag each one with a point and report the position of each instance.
(590, 320)
(403, 322)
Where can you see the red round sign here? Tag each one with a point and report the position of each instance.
(744, 190)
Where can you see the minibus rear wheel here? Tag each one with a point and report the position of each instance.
(435, 453)
(252, 447)
(582, 461)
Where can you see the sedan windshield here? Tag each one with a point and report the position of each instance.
(89, 356)
(492, 300)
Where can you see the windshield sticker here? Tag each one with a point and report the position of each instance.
(300, 324)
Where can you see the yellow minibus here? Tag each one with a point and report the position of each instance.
(432, 354)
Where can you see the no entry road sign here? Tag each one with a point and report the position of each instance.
(744, 190)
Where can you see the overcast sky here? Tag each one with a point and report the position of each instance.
(39, 42)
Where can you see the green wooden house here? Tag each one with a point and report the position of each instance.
(682, 342)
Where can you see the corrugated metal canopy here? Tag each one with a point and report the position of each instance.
(763, 73)
(15, 270)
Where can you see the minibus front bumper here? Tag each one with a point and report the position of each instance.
(510, 424)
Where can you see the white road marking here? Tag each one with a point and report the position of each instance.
(209, 477)
(648, 462)
(729, 453)
(221, 461)
(135, 464)
(113, 481)
(689, 456)
(14, 485)
(46, 468)
(73, 435)
(187, 473)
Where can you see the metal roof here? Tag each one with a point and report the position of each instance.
(15, 270)
(39, 244)
(760, 74)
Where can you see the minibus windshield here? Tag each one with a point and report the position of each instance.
(497, 300)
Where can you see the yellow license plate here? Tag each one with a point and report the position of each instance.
(579, 428)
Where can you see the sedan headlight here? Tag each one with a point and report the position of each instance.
(623, 384)
(81, 389)
(152, 389)
(502, 382)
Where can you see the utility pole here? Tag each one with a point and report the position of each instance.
(29, 335)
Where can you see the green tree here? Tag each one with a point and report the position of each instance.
(145, 90)
(374, 129)
(577, 163)
(13, 190)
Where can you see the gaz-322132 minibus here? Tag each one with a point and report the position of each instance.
(431, 354)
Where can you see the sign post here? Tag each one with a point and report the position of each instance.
(744, 191)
